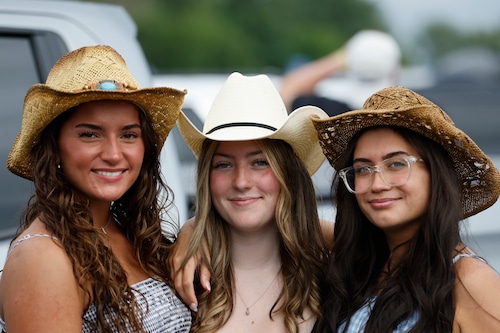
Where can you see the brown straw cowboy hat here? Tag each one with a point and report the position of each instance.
(250, 108)
(399, 106)
(88, 74)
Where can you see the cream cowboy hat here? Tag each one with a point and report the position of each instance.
(88, 74)
(250, 108)
(399, 106)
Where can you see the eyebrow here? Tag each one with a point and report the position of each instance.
(97, 127)
(386, 156)
(249, 154)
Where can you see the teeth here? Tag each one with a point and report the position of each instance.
(109, 173)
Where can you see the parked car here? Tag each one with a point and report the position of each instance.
(33, 36)
(471, 101)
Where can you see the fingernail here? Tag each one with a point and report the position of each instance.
(207, 286)
(193, 307)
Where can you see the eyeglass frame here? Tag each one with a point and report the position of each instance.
(376, 168)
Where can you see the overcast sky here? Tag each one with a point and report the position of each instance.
(406, 17)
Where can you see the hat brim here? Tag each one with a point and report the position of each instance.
(298, 131)
(43, 104)
(479, 178)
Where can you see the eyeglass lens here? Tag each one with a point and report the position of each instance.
(394, 172)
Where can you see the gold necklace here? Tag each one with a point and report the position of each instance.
(103, 228)
(247, 312)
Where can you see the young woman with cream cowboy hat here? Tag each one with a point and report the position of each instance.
(406, 177)
(256, 211)
(90, 254)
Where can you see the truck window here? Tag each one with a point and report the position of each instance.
(23, 62)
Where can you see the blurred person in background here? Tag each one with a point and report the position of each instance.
(370, 61)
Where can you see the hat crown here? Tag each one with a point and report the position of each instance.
(247, 103)
(401, 98)
(81, 69)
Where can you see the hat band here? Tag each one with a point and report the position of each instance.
(216, 128)
(109, 85)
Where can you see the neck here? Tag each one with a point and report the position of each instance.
(399, 237)
(255, 251)
(101, 214)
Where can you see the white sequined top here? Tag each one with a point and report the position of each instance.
(164, 311)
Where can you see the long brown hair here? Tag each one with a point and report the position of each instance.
(65, 213)
(422, 281)
(302, 247)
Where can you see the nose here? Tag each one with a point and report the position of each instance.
(242, 178)
(111, 151)
(378, 183)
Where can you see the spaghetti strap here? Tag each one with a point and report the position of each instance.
(26, 237)
(468, 255)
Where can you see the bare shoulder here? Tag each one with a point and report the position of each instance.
(477, 276)
(38, 284)
(477, 296)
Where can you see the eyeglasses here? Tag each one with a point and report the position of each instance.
(393, 171)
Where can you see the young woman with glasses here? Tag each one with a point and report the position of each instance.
(406, 178)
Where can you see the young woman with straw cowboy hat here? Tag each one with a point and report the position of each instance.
(406, 177)
(90, 254)
(256, 211)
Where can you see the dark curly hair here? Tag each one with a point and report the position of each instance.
(65, 213)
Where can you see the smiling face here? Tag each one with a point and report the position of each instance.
(243, 187)
(101, 149)
(397, 210)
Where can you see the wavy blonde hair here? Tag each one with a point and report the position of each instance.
(65, 213)
(302, 247)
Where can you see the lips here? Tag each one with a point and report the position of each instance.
(108, 173)
(382, 203)
(243, 201)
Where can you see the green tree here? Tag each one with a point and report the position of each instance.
(211, 35)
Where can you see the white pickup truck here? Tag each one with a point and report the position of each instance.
(33, 36)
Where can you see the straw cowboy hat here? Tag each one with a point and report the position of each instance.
(250, 108)
(399, 106)
(88, 74)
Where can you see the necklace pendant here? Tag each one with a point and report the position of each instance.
(247, 312)
(104, 231)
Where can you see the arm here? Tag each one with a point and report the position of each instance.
(183, 276)
(303, 80)
(38, 291)
(327, 227)
(478, 297)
